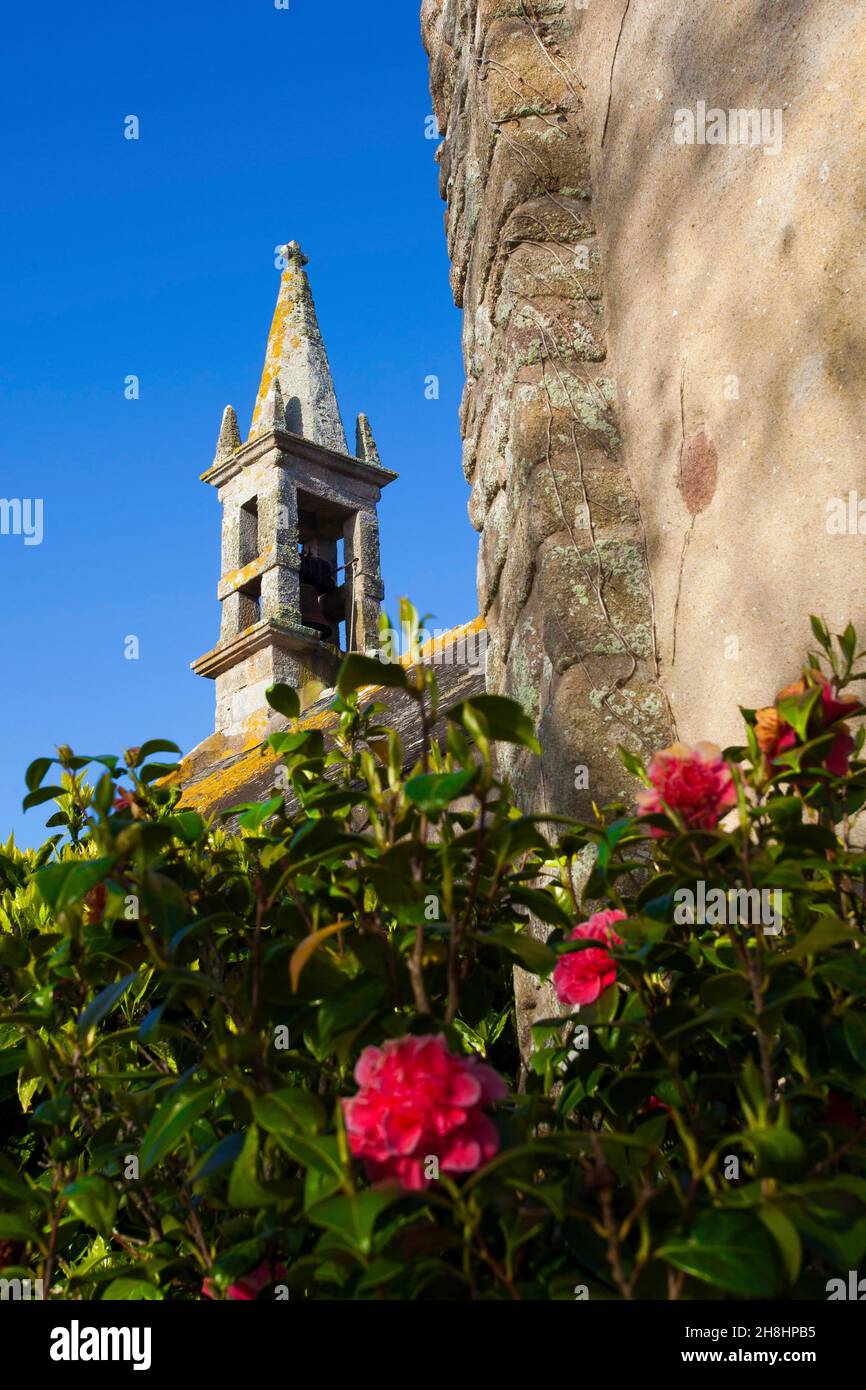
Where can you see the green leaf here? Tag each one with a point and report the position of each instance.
(848, 643)
(172, 1120)
(796, 710)
(354, 1216)
(154, 772)
(321, 1154)
(12, 1060)
(821, 632)
(94, 1201)
(780, 1150)
(854, 1028)
(154, 745)
(14, 1227)
(284, 700)
(308, 740)
(255, 817)
(829, 1216)
(245, 1188)
(730, 1251)
(543, 906)
(290, 1110)
(105, 1001)
(220, 1156)
(62, 884)
(787, 1238)
(123, 1289)
(189, 826)
(829, 931)
(633, 764)
(357, 671)
(27, 1088)
(13, 951)
(604, 1008)
(503, 720)
(238, 1261)
(785, 811)
(36, 772)
(350, 1006)
(38, 797)
(434, 792)
(532, 954)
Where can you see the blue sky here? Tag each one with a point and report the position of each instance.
(155, 258)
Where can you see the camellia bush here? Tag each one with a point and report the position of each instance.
(277, 1058)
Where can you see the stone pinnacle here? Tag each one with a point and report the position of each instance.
(297, 359)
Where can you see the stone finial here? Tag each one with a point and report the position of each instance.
(292, 252)
(230, 436)
(273, 412)
(296, 357)
(365, 444)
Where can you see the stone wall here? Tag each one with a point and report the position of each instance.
(562, 575)
(665, 351)
(655, 222)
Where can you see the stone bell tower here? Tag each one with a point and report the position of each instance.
(301, 580)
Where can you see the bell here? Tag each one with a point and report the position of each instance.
(311, 613)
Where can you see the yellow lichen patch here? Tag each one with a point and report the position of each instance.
(253, 758)
(235, 579)
(441, 644)
(286, 301)
(254, 730)
(213, 790)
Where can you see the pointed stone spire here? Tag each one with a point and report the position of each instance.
(230, 436)
(297, 361)
(272, 415)
(365, 444)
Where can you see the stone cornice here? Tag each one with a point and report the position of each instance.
(265, 634)
(293, 444)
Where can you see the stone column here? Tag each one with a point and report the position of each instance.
(238, 613)
(230, 538)
(278, 539)
(364, 578)
(563, 579)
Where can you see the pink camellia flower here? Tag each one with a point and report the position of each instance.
(419, 1101)
(695, 782)
(250, 1285)
(581, 977)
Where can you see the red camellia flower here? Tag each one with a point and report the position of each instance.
(841, 1112)
(250, 1286)
(776, 736)
(581, 977)
(655, 1104)
(695, 782)
(419, 1101)
(94, 904)
(126, 803)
